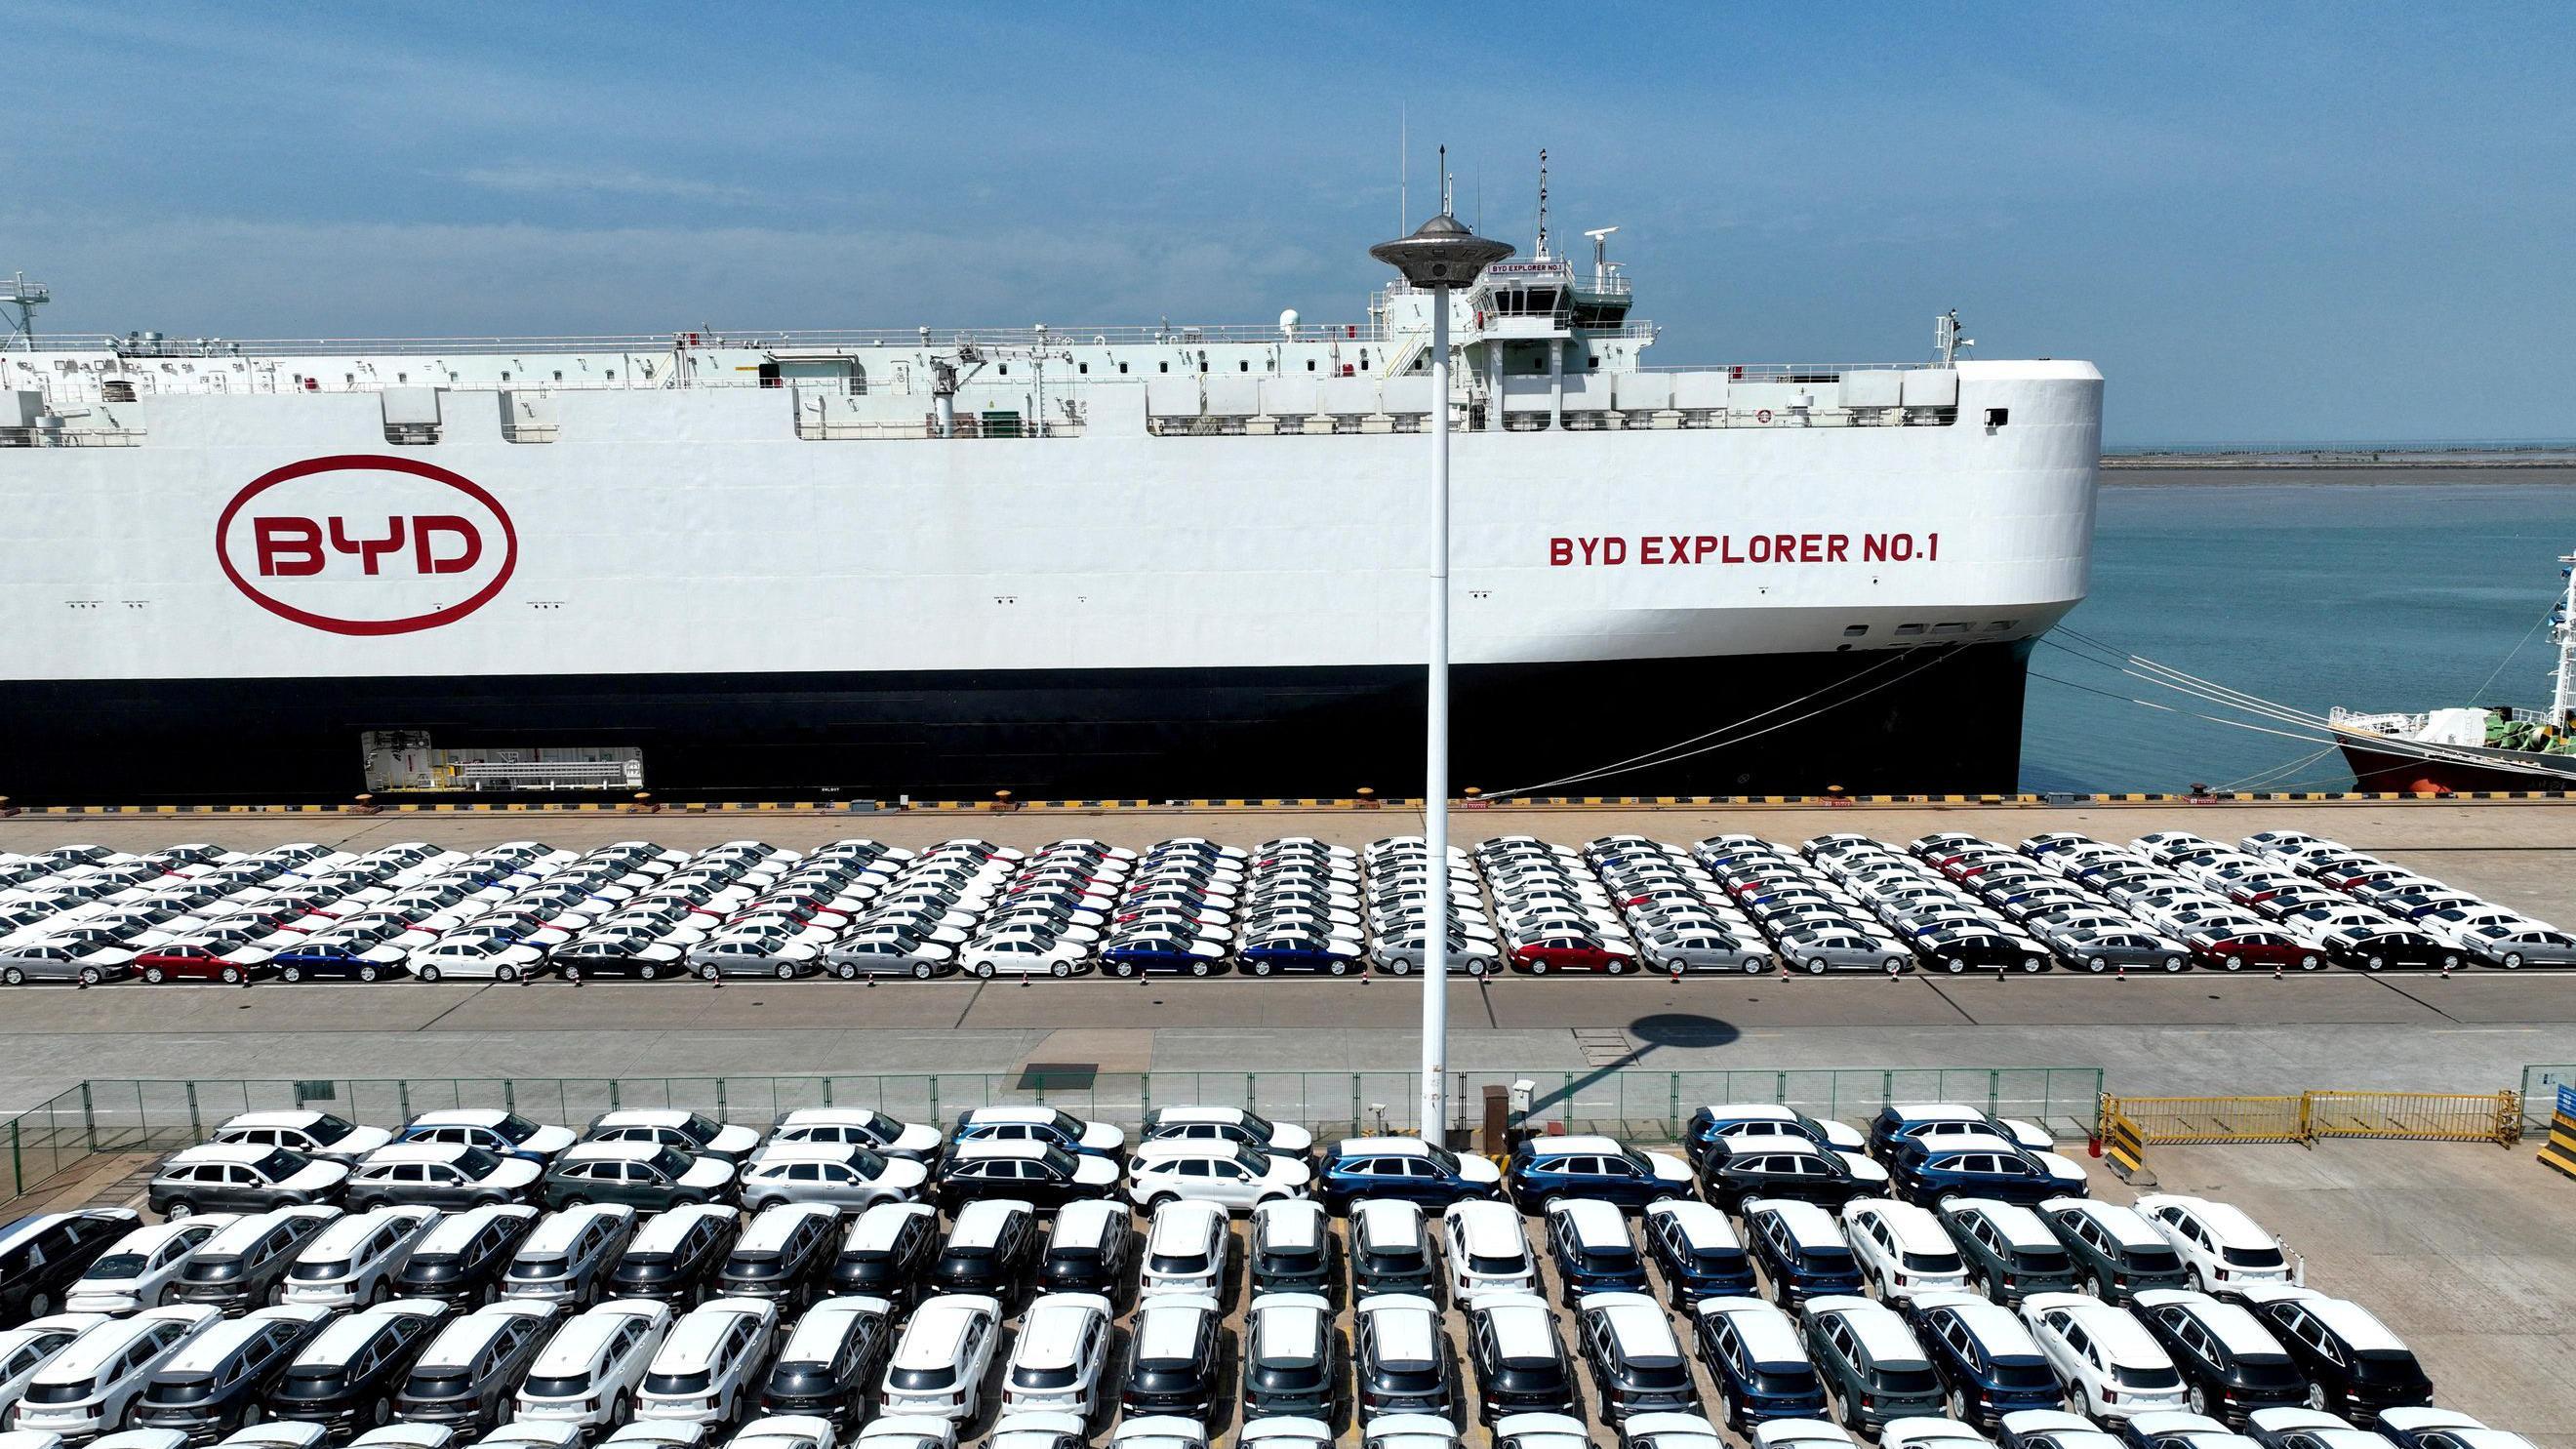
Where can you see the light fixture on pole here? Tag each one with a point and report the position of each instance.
(1440, 254)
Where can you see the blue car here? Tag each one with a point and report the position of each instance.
(1984, 1355)
(1755, 1120)
(1698, 1251)
(1266, 954)
(1161, 955)
(1039, 1124)
(1405, 1168)
(1589, 1240)
(333, 961)
(1544, 1169)
(1758, 1362)
(1979, 1167)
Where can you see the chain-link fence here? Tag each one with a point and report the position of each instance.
(114, 1116)
(2540, 1086)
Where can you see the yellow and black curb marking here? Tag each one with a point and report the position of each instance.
(1545, 802)
(2559, 1152)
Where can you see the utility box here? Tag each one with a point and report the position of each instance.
(19, 407)
(411, 407)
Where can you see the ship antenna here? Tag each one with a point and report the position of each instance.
(1403, 171)
(23, 298)
(1447, 208)
(1542, 206)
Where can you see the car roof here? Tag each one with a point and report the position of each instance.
(2123, 1223)
(2018, 1225)
(1381, 1147)
(557, 1232)
(663, 1231)
(1916, 1228)
(820, 1329)
(2114, 1328)
(1286, 1222)
(419, 1152)
(772, 1226)
(1701, 1225)
(1012, 1148)
(578, 1342)
(1289, 1326)
(94, 1348)
(237, 1152)
(281, 1118)
(2354, 1324)
(1769, 1333)
(701, 1331)
(612, 1152)
(1402, 1325)
(1882, 1334)
(1383, 1217)
(1594, 1223)
(979, 1223)
(1184, 1224)
(1569, 1146)
(1808, 1223)
(1051, 1330)
(876, 1228)
(1523, 1325)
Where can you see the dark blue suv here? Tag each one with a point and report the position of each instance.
(1548, 1168)
(1405, 1168)
(1802, 1249)
(1699, 1253)
(1973, 1167)
(1594, 1253)
(1985, 1358)
(1760, 1124)
(1758, 1363)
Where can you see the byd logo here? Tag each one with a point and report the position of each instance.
(364, 544)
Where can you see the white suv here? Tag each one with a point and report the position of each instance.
(135, 1270)
(587, 1374)
(352, 1263)
(87, 1389)
(2223, 1247)
(1186, 1247)
(1059, 1357)
(937, 1369)
(1484, 1250)
(704, 1369)
(1229, 1174)
(1903, 1249)
(2111, 1368)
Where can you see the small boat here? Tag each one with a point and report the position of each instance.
(2474, 747)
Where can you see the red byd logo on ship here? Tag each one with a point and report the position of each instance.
(365, 544)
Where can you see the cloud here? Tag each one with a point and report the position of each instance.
(535, 178)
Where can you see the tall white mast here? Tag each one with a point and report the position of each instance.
(2564, 631)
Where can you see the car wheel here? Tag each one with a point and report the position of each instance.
(2232, 962)
(2032, 965)
(290, 974)
(1400, 966)
(366, 973)
(1198, 968)
(2094, 1286)
(1615, 966)
(1122, 968)
(984, 971)
(575, 1200)
(230, 975)
(1538, 968)
(1339, 968)
(2198, 1398)
(2317, 1397)
(2450, 963)
(1752, 965)
(1895, 965)
(380, 1413)
(1259, 968)
(1959, 1406)
(177, 1207)
(14, 977)
(39, 1304)
(429, 974)
(709, 971)
(1061, 968)
(1476, 966)
(1951, 964)
(89, 976)
(155, 975)
(1815, 965)
(251, 1416)
(2371, 963)
(2512, 961)
(2175, 963)
(2310, 963)
(1157, 1201)
(2198, 1284)
(920, 970)
(505, 973)
(847, 971)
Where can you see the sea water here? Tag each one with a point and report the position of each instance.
(2373, 595)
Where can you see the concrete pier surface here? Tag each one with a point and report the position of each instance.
(2198, 1032)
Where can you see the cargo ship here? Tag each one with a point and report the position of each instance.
(2475, 747)
(1064, 561)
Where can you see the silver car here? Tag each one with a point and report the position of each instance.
(1818, 949)
(2513, 947)
(62, 961)
(2104, 950)
(1703, 950)
(839, 1174)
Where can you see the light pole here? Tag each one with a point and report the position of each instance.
(1440, 254)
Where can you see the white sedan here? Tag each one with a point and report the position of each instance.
(1025, 955)
(480, 958)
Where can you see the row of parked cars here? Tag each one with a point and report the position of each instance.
(1921, 1319)
(859, 908)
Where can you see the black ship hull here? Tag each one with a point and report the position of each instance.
(1861, 721)
(2460, 769)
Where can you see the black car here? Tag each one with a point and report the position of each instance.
(345, 1379)
(2231, 1364)
(1173, 1357)
(989, 1250)
(1758, 1363)
(2010, 1252)
(1292, 1249)
(1391, 1251)
(1803, 1253)
(1292, 1358)
(628, 957)
(2376, 948)
(1700, 1255)
(1521, 1365)
(830, 1363)
(43, 1255)
(2355, 1367)
(671, 1258)
(466, 1376)
(783, 1254)
(1037, 1173)
(242, 1264)
(1404, 1365)
(1088, 1249)
(1731, 1173)
(884, 1254)
(215, 1385)
(2114, 1249)
(461, 1258)
(1985, 1359)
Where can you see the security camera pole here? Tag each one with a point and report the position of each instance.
(1440, 254)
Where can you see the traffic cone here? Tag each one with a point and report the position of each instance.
(2120, 973)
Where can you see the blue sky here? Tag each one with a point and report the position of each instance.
(2346, 221)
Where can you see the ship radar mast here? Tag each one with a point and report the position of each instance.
(22, 298)
(1539, 252)
(2563, 696)
(1946, 341)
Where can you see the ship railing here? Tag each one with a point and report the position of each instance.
(2380, 723)
(941, 340)
(1589, 420)
(1802, 372)
(70, 437)
(966, 428)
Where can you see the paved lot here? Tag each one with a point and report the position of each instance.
(2466, 1251)
(2197, 1033)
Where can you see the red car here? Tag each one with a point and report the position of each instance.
(1571, 953)
(2236, 950)
(187, 961)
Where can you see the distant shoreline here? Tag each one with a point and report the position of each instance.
(2418, 465)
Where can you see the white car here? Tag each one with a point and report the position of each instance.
(485, 958)
(353, 1262)
(1669, 1431)
(1061, 1355)
(1036, 1429)
(400, 1436)
(1530, 1431)
(1024, 954)
(2447, 1429)
(28, 1347)
(2062, 1429)
(1903, 1249)
(1227, 1174)
(136, 1269)
(704, 1371)
(532, 1434)
(2109, 1364)
(88, 1388)
(1186, 1248)
(784, 1431)
(1917, 1431)
(908, 1431)
(587, 1374)
(938, 1366)
(2223, 1247)
(1287, 1431)
(315, 1134)
(1483, 1250)
(1159, 1431)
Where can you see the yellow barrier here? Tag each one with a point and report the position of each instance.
(2122, 1141)
(2310, 1116)
(2559, 1152)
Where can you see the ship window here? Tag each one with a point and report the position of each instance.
(1244, 366)
(1165, 366)
(1122, 369)
(505, 377)
(612, 374)
(1854, 631)
(558, 374)
(1006, 369)
(1904, 629)
(1202, 364)
(1310, 364)
(1083, 367)
(402, 377)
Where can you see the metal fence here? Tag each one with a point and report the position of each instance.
(2540, 1086)
(2309, 1117)
(119, 1116)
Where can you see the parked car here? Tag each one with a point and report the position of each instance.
(704, 1372)
(587, 1374)
(2111, 1367)
(1988, 1364)
(694, 1133)
(2116, 1250)
(2010, 1252)
(1730, 1176)
(89, 1387)
(835, 1354)
(1589, 1241)
(568, 1258)
(1637, 1365)
(133, 1274)
(345, 1378)
(464, 1380)
(1060, 1358)
(354, 1261)
(1521, 1366)
(1030, 1171)
(1801, 1250)
(674, 1256)
(241, 1178)
(1545, 1169)
(637, 1174)
(1874, 1370)
(1290, 1248)
(216, 1383)
(1231, 1175)
(2230, 1363)
(1188, 1245)
(1292, 1358)
(1757, 1362)
(782, 1256)
(885, 1252)
(938, 1366)
(1405, 1168)
(504, 1134)
(461, 1258)
(839, 1175)
(1402, 1357)
(2222, 1249)
(439, 1175)
(990, 1245)
(2353, 1363)
(1390, 1249)
(243, 1266)
(315, 1134)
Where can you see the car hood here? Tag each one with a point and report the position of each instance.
(1103, 1137)
(908, 1173)
(316, 1175)
(514, 1173)
(547, 1141)
(1668, 1168)
(1289, 1137)
(733, 1140)
(1478, 1170)
(359, 1142)
(707, 1172)
(1862, 1168)
(1091, 1171)
(916, 1137)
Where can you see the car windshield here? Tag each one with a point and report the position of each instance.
(475, 1162)
(327, 1129)
(2153, 1260)
(564, 1388)
(117, 1265)
(690, 1383)
(278, 1166)
(922, 1379)
(671, 1161)
(515, 1128)
(2262, 1257)
(2386, 1368)
(1774, 1379)
(1044, 1378)
(701, 1130)
(2024, 1374)
(1907, 1381)
(2147, 1376)
(181, 1391)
